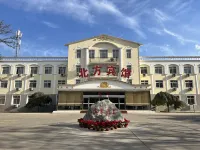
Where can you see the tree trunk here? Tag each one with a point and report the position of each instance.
(168, 108)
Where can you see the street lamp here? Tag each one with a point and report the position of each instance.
(18, 42)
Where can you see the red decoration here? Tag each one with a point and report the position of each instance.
(83, 72)
(111, 70)
(126, 73)
(97, 70)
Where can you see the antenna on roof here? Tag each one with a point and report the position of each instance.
(18, 42)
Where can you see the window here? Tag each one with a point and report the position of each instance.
(78, 69)
(159, 83)
(103, 53)
(115, 53)
(78, 54)
(128, 67)
(143, 70)
(28, 99)
(144, 82)
(20, 70)
(4, 84)
(61, 82)
(172, 70)
(128, 53)
(190, 100)
(158, 70)
(129, 81)
(61, 70)
(32, 83)
(6, 70)
(174, 83)
(34, 70)
(187, 69)
(47, 83)
(2, 100)
(16, 100)
(18, 84)
(48, 70)
(91, 53)
(188, 83)
(78, 81)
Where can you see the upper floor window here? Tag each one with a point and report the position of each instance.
(91, 53)
(16, 99)
(34, 70)
(18, 84)
(6, 70)
(78, 54)
(61, 82)
(158, 70)
(32, 83)
(129, 67)
(20, 70)
(115, 53)
(143, 70)
(174, 83)
(128, 53)
(103, 53)
(144, 82)
(187, 69)
(188, 83)
(78, 69)
(159, 83)
(61, 70)
(48, 70)
(47, 83)
(2, 100)
(4, 84)
(173, 70)
(190, 100)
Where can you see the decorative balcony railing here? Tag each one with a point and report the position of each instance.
(99, 60)
(169, 58)
(33, 58)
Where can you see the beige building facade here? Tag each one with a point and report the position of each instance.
(97, 68)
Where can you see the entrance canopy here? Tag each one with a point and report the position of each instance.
(104, 85)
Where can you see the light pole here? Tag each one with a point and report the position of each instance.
(18, 42)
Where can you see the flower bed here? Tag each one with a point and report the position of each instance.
(102, 125)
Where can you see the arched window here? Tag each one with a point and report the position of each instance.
(159, 69)
(5, 69)
(173, 69)
(20, 69)
(188, 69)
(48, 69)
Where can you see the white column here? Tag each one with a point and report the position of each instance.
(152, 83)
(181, 84)
(54, 78)
(25, 82)
(11, 83)
(120, 62)
(197, 85)
(166, 82)
(40, 74)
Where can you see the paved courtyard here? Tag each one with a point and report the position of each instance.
(61, 131)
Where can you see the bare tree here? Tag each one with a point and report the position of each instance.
(6, 35)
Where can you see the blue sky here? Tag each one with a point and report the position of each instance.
(164, 27)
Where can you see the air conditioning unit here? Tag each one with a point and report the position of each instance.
(190, 89)
(17, 89)
(144, 75)
(63, 75)
(32, 75)
(111, 59)
(16, 105)
(187, 75)
(19, 75)
(174, 89)
(31, 89)
(173, 75)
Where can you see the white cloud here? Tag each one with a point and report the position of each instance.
(156, 31)
(179, 37)
(50, 24)
(161, 16)
(197, 46)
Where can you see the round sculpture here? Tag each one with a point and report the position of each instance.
(103, 116)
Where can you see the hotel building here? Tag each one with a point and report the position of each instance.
(97, 68)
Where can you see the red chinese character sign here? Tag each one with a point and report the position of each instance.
(126, 73)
